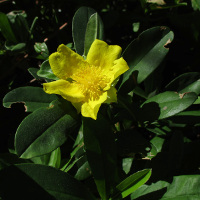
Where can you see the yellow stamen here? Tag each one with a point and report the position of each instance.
(91, 81)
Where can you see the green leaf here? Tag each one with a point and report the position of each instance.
(32, 97)
(45, 71)
(188, 82)
(196, 4)
(33, 71)
(157, 144)
(126, 164)
(101, 154)
(15, 47)
(83, 172)
(133, 182)
(183, 188)
(154, 191)
(42, 49)
(79, 25)
(31, 181)
(6, 28)
(165, 105)
(54, 124)
(94, 30)
(52, 159)
(19, 25)
(152, 43)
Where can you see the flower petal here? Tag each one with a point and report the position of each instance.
(119, 67)
(111, 95)
(65, 62)
(103, 55)
(69, 91)
(91, 108)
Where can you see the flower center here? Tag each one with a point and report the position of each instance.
(92, 82)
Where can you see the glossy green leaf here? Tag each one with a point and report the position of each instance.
(165, 105)
(31, 181)
(54, 124)
(151, 43)
(6, 28)
(183, 188)
(79, 25)
(94, 30)
(45, 71)
(133, 182)
(188, 82)
(42, 50)
(32, 97)
(101, 154)
(154, 191)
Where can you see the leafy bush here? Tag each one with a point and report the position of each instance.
(141, 141)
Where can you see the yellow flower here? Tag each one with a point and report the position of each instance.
(86, 83)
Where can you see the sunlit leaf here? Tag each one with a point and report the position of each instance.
(166, 104)
(94, 30)
(133, 182)
(54, 124)
(45, 71)
(151, 43)
(32, 97)
(79, 25)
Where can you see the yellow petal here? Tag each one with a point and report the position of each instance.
(111, 95)
(91, 108)
(65, 62)
(119, 67)
(69, 91)
(103, 55)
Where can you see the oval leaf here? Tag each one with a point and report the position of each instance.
(31, 181)
(165, 105)
(42, 49)
(32, 97)
(94, 31)
(150, 44)
(52, 126)
(45, 71)
(79, 25)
